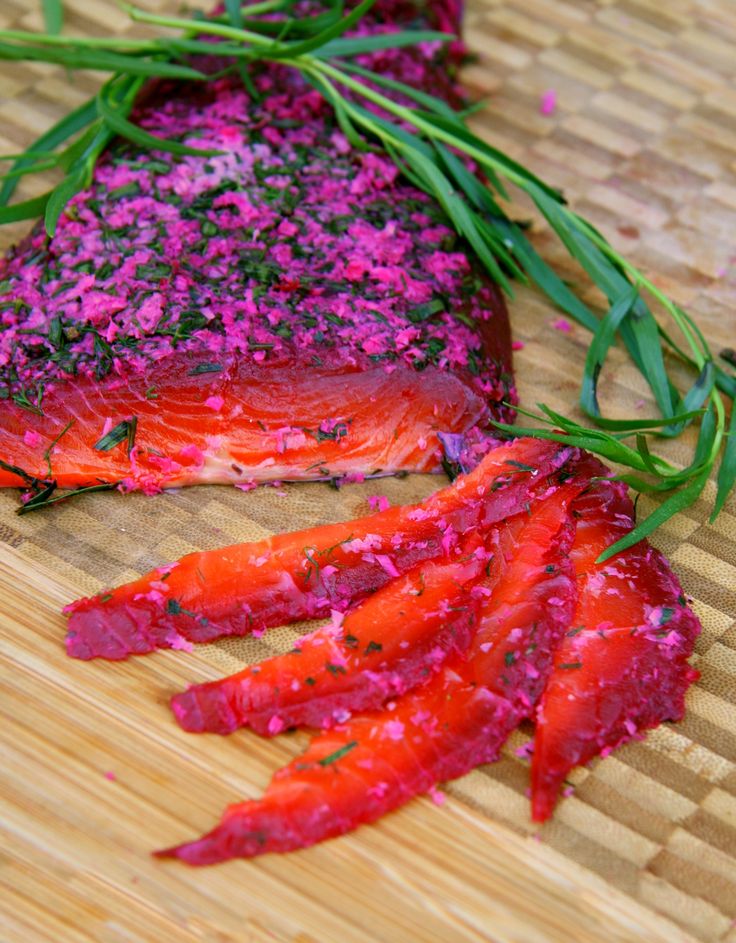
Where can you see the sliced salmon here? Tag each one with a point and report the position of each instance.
(393, 640)
(390, 643)
(304, 574)
(375, 762)
(622, 667)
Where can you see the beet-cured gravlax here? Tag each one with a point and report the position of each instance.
(451, 621)
(286, 309)
(622, 666)
(379, 658)
(251, 587)
(285, 306)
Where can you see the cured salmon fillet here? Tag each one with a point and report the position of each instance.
(286, 308)
(240, 423)
(391, 642)
(452, 621)
(622, 666)
(460, 718)
(379, 650)
(255, 586)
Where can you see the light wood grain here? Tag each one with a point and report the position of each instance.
(644, 143)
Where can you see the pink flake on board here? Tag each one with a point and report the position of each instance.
(378, 502)
(437, 796)
(110, 775)
(562, 324)
(548, 102)
(518, 345)
(525, 751)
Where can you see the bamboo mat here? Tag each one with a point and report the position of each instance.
(94, 773)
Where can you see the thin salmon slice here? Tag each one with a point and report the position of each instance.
(288, 577)
(622, 667)
(387, 645)
(457, 720)
(384, 647)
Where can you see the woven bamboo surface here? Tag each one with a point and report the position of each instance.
(94, 773)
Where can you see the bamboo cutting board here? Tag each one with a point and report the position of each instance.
(94, 773)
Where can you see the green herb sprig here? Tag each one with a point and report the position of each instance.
(428, 141)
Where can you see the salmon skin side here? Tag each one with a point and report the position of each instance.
(287, 310)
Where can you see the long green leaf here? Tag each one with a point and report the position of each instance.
(603, 338)
(463, 135)
(469, 184)
(497, 245)
(198, 47)
(300, 26)
(33, 169)
(59, 198)
(293, 50)
(643, 332)
(341, 111)
(387, 130)
(28, 209)
(609, 450)
(676, 503)
(464, 220)
(430, 102)
(546, 279)
(60, 132)
(357, 45)
(99, 60)
(727, 469)
(53, 15)
(118, 123)
(233, 10)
